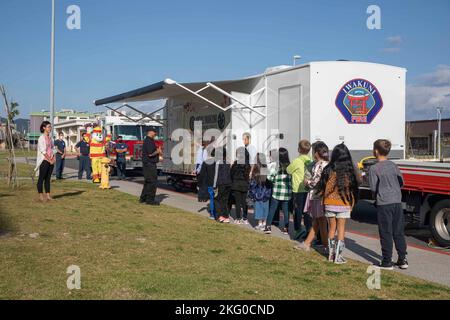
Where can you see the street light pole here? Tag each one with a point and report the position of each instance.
(296, 57)
(439, 115)
(52, 71)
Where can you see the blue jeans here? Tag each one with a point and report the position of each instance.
(121, 168)
(59, 166)
(261, 210)
(212, 209)
(84, 165)
(274, 203)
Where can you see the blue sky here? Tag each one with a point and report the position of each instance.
(126, 44)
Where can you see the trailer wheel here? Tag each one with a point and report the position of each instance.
(440, 222)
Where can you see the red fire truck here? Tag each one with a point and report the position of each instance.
(426, 195)
(133, 134)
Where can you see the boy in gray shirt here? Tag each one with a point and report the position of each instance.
(386, 182)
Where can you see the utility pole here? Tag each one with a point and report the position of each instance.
(435, 133)
(52, 72)
(439, 116)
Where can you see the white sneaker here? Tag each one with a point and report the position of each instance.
(238, 221)
(245, 221)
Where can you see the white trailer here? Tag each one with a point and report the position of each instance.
(331, 101)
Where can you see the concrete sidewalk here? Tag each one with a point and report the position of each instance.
(427, 264)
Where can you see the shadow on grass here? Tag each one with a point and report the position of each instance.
(6, 224)
(69, 194)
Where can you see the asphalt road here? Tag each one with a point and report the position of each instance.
(364, 217)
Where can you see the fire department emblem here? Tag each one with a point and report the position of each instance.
(359, 101)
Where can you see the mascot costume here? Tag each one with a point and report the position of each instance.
(97, 151)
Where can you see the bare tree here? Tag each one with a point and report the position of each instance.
(12, 166)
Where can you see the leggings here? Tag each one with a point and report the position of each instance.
(240, 199)
(45, 175)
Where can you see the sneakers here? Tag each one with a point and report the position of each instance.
(285, 231)
(268, 230)
(402, 264)
(244, 221)
(223, 219)
(260, 227)
(238, 221)
(386, 265)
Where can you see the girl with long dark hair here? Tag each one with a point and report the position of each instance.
(45, 161)
(281, 192)
(339, 188)
(314, 203)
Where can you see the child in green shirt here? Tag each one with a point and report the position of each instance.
(298, 169)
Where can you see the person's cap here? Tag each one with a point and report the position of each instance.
(151, 128)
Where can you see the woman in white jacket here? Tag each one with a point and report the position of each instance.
(45, 161)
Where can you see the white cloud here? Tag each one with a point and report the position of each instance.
(392, 44)
(394, 40)
(431, 91)
(391, 50)
(441, 77)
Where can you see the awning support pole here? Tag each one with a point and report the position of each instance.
(145, 115)
(199, 96)
(235, 99)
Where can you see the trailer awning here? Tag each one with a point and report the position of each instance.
(166, 89)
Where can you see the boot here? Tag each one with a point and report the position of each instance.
(331, 248)
(339, 258)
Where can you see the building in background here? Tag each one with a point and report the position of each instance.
(72, 123)
(422, 137)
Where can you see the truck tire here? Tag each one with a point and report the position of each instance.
(440, 222)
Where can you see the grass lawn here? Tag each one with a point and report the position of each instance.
(131, 251)
(23, 170)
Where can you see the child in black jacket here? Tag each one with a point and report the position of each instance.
(240, 172)
(205, 182)
(222, 182)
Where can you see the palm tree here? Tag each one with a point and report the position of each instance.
(13, 111)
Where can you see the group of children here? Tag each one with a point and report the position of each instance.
(321, 192)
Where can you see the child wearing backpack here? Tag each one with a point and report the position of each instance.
(314, 203)
(260, 191)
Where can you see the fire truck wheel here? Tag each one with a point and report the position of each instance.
(440, 222)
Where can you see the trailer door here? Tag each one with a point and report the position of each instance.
(289, 111)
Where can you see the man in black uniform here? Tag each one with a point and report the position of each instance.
(150, 157)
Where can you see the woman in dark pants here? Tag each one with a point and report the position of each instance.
(45, 161)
